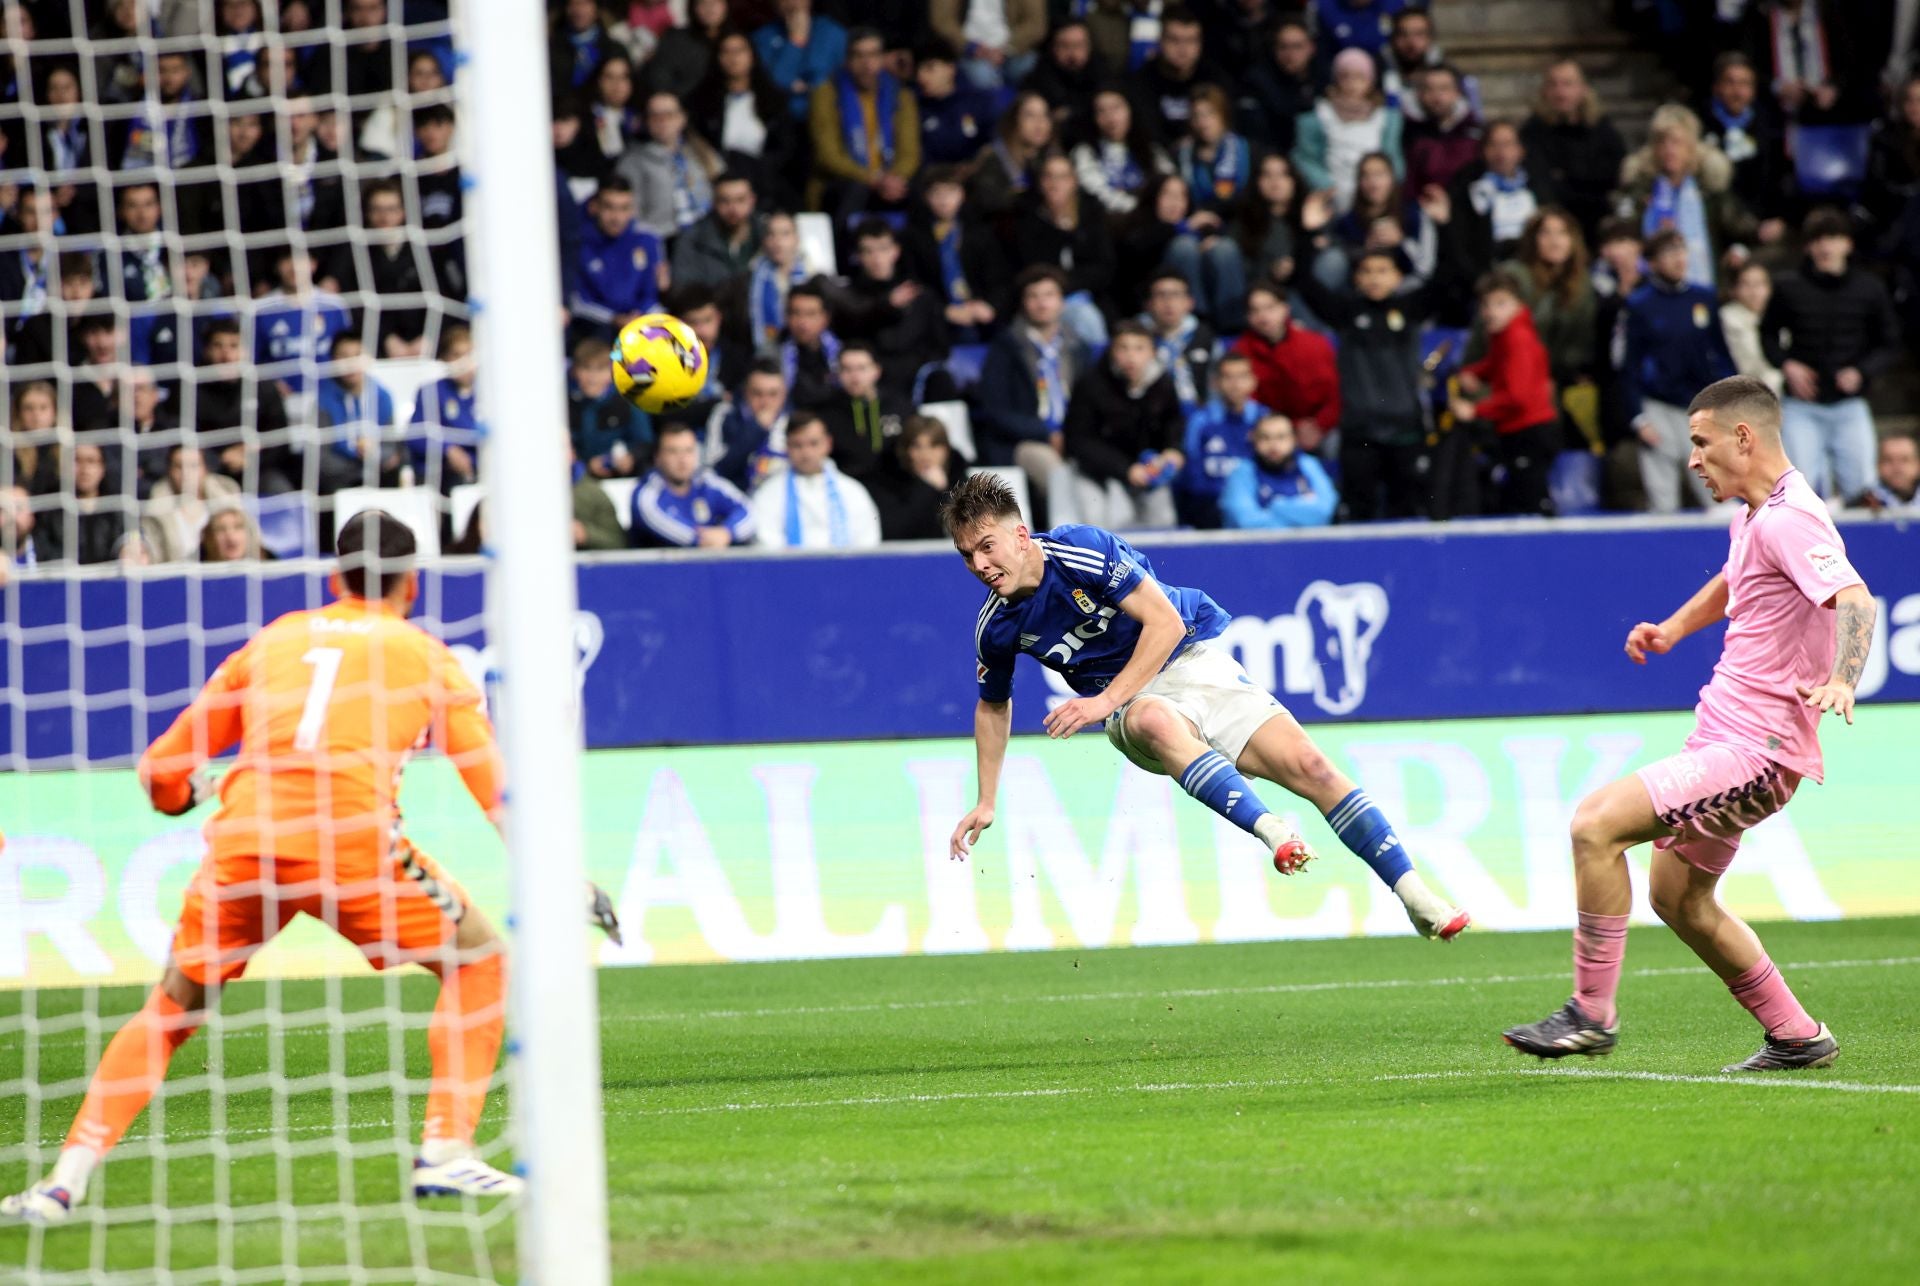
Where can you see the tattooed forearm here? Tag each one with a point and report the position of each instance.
(1854, 635)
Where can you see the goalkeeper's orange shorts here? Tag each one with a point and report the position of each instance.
(406, 915)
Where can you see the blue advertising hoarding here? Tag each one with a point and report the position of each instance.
(1424, 622)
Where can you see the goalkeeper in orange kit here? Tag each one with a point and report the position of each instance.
(326, 706)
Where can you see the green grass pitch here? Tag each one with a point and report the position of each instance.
(1309, 1112)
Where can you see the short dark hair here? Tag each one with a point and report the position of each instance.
(1367, 255)
(1746, 396)
(975, 499)
(942, 174)
(613, 183)
(691, 298)
(859, 34)
(349, 336)
(1445, 69)
(1498, 283)
(222, 326)
(667, 428)
(804, 420)
(732, 176)
(767, 366)
(1826, 221)
(934, 51)
(809, 290)
(1618, 229)
(860, 346)
(1168, 274)
(77, 263)
(391, 555)
(1128, 329)
(1728, 61)
(874, 230)
(432, 114)
(380, 187)
(1411, 12)
(1231, 359)
(1662, 241)
(1178, 13)
(1035, 273)
(95, 322)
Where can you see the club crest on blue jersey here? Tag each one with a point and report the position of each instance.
(1085, 604)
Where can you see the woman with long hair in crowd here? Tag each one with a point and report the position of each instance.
(739, 108)
(1009, 166)
(1116, 164)
(1062, 229)
(1380, 218)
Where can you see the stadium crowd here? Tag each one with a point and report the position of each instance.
(1247, 263)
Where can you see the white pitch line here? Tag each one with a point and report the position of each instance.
(314, 1031)
(1165, 1087)
(1190, 993)
(1753, 1081)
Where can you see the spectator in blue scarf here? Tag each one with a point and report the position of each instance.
(580, 43)
(1121, 159)
(866, 134)
(952, 253)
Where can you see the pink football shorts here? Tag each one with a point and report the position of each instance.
(1711, 794)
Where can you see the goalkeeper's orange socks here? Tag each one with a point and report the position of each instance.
(130, 1071)
(464, 1039)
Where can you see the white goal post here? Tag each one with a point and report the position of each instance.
(553, 1006)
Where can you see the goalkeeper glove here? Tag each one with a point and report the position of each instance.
(202, 785)
(600, 913)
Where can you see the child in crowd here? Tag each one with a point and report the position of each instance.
(1518, 396)
(1218, 439)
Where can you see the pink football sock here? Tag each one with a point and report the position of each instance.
(1767, 997)
(1599, 946)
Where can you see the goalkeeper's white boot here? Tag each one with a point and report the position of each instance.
(43, 1203)
(461, 1175)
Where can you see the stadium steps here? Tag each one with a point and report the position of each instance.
(1507, 43)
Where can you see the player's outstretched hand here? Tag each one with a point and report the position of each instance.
(1837, 697)
(1069, 717)
(1644, 638)
(968, 832)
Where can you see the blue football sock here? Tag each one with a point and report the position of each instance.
(1363, 828)
(1214, 782)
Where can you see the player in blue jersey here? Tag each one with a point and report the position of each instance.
(1084, 603)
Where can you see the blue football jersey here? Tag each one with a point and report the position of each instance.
(1073, 623)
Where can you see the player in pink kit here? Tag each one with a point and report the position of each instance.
(1800, 622)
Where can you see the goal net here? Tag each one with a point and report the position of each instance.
(246, 283)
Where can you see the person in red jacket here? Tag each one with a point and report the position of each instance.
(1515, 393)
(1293, 367)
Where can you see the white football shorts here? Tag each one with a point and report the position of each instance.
(1213, 693)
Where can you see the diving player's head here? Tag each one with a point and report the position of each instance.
(376, 560)
(982, 516)
(1734, 425)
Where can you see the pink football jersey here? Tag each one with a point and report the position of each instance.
(1786, 563)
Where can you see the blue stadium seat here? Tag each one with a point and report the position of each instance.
(964, 364)
(1574, 483)
(286, 525)
(1830, 160)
